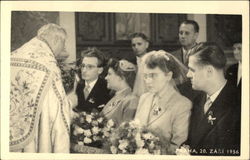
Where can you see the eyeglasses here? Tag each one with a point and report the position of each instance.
(87, 66)
(150, 75)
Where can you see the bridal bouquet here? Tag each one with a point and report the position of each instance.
(91, 129)
(131, 138)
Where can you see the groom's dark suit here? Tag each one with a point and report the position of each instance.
(224, 133)
(98, 96)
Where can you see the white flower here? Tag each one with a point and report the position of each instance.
(122, 144)
(110, 123)
(147, 136)
(95, 130)
(113, 149)
(88, 118)
(124, 151)
(157, 152)
(142, 151)
(87, 140)
(100, 120)
(78, 130)
(135, 123)
(83, 113)
(151, 145)
(139, 142)
(87, 133)
(106, 133)
(80, 143)
(182, 151)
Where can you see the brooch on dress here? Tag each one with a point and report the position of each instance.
(210, 118)
(156, 110)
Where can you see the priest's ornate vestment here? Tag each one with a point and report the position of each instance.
(39, 108)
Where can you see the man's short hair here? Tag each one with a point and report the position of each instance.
(51, 29)
(209, 54)
(139, 34)
(94, 52)
(192, 22)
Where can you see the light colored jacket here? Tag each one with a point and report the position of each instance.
(121, 107)
(172, 119)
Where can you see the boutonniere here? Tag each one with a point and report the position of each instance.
(91, 100)
(101, 106)
(210, 118)
(156, 110)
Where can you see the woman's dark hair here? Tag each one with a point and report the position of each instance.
(128, 76)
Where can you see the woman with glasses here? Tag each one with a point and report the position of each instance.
(163, 109)
(120, 78)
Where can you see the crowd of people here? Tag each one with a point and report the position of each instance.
(187, 95)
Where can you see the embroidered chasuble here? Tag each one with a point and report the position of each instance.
(39, 109)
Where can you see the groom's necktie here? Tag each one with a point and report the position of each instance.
(86, 91)
(207, 105)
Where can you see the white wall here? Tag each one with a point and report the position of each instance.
(201, 19)
(67, 21)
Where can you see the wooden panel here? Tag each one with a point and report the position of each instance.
(24, 25)
(93, 28)
(99, 30)
(165, 28)
(224, 29)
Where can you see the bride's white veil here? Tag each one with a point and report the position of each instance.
(179, 69)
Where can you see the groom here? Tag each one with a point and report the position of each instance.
(215, 120)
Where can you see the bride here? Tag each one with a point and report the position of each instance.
(163, 109)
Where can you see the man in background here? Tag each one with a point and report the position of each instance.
(188, 34)
(234, 72)
(39, 108)
(140, 44)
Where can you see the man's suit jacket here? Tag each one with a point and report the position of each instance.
(179, 55)
(172, 119)
(231, 75)
(223, 132)
(98, 96)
